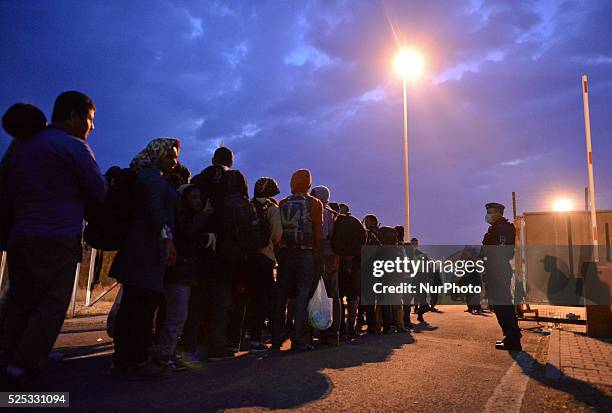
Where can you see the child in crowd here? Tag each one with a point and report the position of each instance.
(189, 237)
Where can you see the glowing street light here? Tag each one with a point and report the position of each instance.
(563, 205)
(409, 64)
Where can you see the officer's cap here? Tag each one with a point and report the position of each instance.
(496, 205)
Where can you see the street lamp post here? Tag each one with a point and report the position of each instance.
(409, 64)
(406, 182)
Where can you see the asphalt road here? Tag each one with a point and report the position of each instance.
(450, 365)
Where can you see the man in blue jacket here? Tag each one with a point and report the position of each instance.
(51, 177)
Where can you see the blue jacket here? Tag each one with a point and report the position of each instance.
(140, 263)
(49, 179)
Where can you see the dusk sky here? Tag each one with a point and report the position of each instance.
(310, 84)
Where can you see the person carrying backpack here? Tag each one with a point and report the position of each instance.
(349, 236)
(370, 222)
(211, 298)
(261, 264)
(240, 236)
(141, 263)
(302, 220)
(191, 220)
(50, 176)
(20, 121)
(328, 266)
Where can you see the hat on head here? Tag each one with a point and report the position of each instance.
(322, 193)
(266, 188)
(301, 181)
(495, 205)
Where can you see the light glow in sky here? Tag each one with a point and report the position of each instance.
(409, 63)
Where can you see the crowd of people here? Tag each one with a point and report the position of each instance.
(205, 269)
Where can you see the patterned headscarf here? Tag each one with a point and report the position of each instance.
(157, 149)
(266, 188)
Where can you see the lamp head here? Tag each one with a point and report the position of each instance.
(409, 63)
(563, 204)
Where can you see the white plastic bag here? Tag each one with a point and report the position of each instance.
(320, 308)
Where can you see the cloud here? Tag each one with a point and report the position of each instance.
(374, 95)
(196, 26)
(516, 162)
(310, 85)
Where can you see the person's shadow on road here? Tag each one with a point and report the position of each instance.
(550, 376)
(276, 380)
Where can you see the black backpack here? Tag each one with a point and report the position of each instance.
(263, 223)
(348, 237)
(108, 223)
(241, 229)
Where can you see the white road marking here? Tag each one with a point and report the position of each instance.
(509, 393)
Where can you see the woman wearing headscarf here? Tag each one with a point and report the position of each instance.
(141, 263)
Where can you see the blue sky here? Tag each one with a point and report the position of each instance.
(310, 84)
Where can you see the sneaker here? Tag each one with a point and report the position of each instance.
(220, 355)
(509, 345)
(170, 364)
(258, 347)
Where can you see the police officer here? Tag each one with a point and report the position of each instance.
(498, 250)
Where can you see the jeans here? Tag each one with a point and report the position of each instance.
(134, 324)
(41, 278)
(177, 305)
(296, 269)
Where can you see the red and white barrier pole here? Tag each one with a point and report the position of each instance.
(587, 129)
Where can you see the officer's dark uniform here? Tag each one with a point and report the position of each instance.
(498, 276)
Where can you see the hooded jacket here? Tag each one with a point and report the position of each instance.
(212, 188)
(300, 184)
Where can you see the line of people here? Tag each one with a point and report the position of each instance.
(201, 264)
